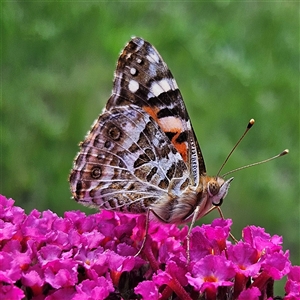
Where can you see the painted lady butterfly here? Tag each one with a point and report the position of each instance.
(141, 155)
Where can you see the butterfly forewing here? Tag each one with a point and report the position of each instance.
(143, 78)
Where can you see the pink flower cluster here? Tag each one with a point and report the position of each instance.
(43, 256)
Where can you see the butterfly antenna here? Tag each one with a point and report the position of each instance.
(284, 152)
(250, 124)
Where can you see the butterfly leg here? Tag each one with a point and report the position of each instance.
(146, 233)
(195, 217)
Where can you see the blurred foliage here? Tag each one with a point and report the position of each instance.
(232, 60)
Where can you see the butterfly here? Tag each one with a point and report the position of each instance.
(141, 155)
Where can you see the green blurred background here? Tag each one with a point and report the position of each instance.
(232, 61)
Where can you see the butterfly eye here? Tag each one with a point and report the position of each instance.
(213, 188)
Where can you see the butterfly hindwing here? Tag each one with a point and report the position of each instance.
(126, 163)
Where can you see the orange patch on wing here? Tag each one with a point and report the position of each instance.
(152, 111)
(167, 125)
(180, 147)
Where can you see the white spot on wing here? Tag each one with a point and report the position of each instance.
(133, 86)
(132, 71)
(153, 56)
(156, 89)
(164, 85)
